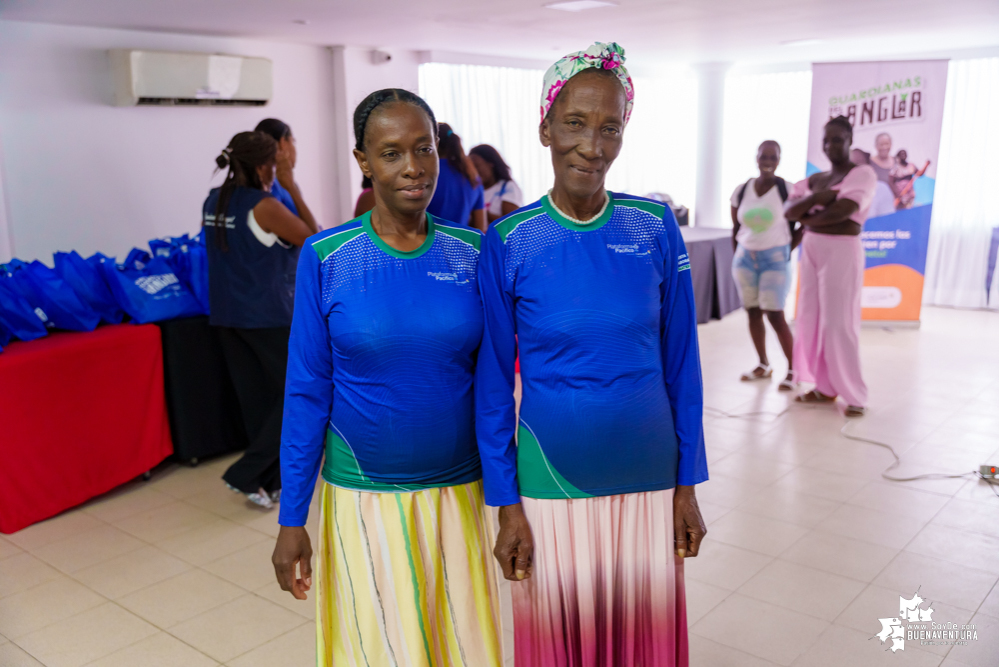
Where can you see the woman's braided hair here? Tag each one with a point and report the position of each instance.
(364, 110)
(245, 152)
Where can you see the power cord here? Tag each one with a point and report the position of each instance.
(993, 484)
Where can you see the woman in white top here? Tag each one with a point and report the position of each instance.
(763, 240)
(502, 194)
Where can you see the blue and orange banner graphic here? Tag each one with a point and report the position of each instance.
(896, 109)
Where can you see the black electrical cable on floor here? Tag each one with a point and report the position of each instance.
(993, 484)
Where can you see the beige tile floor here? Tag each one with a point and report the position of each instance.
(807, 546)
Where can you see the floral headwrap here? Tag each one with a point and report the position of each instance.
(600, 55)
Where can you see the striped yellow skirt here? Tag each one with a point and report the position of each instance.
(407, 579)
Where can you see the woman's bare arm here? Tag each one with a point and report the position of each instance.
(735, 226)
(835, 213)
(506, 209)
(800, 209)
(274, 217)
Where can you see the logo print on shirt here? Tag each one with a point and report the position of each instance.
(682, 263)
(627, 249)
(759, 219)
(230, 221)
(445, 277)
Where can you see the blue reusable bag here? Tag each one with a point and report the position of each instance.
(43, 288)
(189, 261)
(89, 283)
(16, 314)
(148, 289)
(137, 258)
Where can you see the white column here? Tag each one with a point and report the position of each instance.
(710, 110)
(356, 75)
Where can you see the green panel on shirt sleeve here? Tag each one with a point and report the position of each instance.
(327, 246)
(652, 207)
(537, 478)
(469, 236)
(509, 223)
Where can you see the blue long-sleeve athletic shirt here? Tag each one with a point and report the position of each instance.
(380, 364)
(603, 316)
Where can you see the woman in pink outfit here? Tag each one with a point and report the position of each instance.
(832, 206)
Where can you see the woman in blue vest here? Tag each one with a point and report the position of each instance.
(253, 243)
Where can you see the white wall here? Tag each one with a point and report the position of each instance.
(81, 174)
(6, 246)
(357, 76)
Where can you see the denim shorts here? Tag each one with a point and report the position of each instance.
(763, 277)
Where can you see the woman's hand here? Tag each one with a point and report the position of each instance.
(293, 548)
(285, 176)
(688, 526)
(514, 544)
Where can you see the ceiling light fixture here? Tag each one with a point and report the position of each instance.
(802, 42)
(580, 5)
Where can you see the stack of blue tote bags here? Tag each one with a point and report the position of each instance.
(78, 294)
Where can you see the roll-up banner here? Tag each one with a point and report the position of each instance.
(896, 109)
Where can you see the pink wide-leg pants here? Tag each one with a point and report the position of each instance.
(827, 335)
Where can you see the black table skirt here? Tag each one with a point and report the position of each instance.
(204, 412)
(710, 251)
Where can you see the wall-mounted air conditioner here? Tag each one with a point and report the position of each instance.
(190, 79)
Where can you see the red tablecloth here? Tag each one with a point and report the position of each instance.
(80, 413)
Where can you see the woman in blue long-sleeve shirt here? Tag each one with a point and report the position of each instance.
(386, 329)
(593, 289)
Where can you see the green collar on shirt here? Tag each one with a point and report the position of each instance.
(568, 223)
(412, 254)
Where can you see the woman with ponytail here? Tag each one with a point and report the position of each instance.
(253, 244)
(284, 188)
(387, 326)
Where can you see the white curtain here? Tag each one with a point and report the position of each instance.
(964, 212)
(660, 142)
(497, 106)
(760, 107)
(501, 106)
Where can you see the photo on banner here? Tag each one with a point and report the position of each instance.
(896, 109)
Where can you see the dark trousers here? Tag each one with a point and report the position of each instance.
(257, 360)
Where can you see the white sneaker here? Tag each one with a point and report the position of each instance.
(260, 497)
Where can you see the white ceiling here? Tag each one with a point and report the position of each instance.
(652, 31)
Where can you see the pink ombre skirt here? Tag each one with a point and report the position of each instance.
(606, 590)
